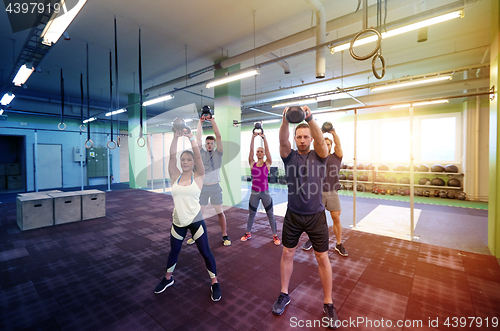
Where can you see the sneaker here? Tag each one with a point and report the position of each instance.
(164, 284)
(307, 246)
(340, 248)
(280, 304)
(190, 241)
(226, 241)
(276, 240)
(216, 294)
(247, 236)
(331, 314)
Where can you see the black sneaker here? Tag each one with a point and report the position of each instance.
(216, 294)
(340, 248)
(164, 284)
(331, 314)
(226, 241)
(280, 304)
(307, 246)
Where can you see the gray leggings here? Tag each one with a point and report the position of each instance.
(267, 202)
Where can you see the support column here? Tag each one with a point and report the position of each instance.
(494, 143)
(137, 156)
(227, 107)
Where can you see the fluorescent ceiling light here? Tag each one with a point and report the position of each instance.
(89, 120)
(403, 29)
(410, 83)
(7, 98)
(114, 112)
(232, 78)
(271, 121)
(296, 102)
(158, 99)
(1, 111)
(416, 104)
(22, 75)
(59, 22)
(332, 97)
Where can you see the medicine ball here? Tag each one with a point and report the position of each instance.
(423, 168)
(461, 196)
(383, 167)
(342, 177)
(454, 182)
(350, 177)
(451, 195)
(363, 178)
(451, 168)
(403, 193)
(437, 168)
(383, 192)
(436, 193)
(360, 167)
(437, 182)
(398, 191)
(392, 180)
(399, 167)
(415, 168)
(404, 180)
(443, 194)
(427, 194)
(361, 188)
(407, 192)
(343, 166)
(369, 166)
(423, 181)
(380, 179)
(420, 193)
(350, 166)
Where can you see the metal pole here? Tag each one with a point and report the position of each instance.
(109, 174)
(163, 158)
(81, 159)
(35, 147)
(412, 184)
(354, 171)
(152, 160)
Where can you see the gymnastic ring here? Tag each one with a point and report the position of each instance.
(118, 141)
(91, 144)
(111, 141)
(59, 126)
(361, 58)
(83, 128)
(140, 139)
(382, 60)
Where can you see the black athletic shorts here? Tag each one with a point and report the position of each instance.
(314, 225)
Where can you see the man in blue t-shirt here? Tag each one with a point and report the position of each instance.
(305, 170)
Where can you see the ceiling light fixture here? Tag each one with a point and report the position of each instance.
(59, 22)
(423, 103)
(334, 96)
(401, 30)
(23, 74)
(410, 83)
(158, 99)
(271, 121)
(295, 102)
(7, 98)
(114, 112)
(232, 78)
(89, 120)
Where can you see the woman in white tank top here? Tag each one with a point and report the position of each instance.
(186, 188)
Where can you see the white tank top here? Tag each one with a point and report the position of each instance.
(186, 202)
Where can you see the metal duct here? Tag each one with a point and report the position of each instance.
(283, 63)
(319, 10)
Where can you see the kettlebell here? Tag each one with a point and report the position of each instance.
(206, 111)
(461, 196)
(179, 125)
(327, 127)
(295, 114)
(258, 127)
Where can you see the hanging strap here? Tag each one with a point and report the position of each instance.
(117, 98)
(89, 143)
(111, 143)
(141, 142)
(82, 126)
(61, 125)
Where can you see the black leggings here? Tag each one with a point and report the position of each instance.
(199, 233)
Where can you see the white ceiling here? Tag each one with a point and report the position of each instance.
(180, 37)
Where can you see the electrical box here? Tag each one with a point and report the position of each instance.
(76, 154)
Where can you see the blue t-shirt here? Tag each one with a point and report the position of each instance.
(304, 175)
(331, 182)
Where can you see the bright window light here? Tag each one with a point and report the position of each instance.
(296, 102)
(22, 75)
(158, 99)
(398, 31)
(416, 104)
(410, 83)
(1, 111)
(89, 120)
(232, 78)
(442, 130)
(114, 112)
(60, 21)
(7, 98)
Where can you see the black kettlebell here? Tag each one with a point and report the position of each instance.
(206, 111)
(327, 127)
(295, 114)
(258, 127)
(461, 196)
(179, 125)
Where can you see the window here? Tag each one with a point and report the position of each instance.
(395, 141)
(438, 139)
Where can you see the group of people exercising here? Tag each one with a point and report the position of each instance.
(312, 180)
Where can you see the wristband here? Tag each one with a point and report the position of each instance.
(308, 119)
(191, 139)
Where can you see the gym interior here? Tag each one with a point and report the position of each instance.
(85, 192)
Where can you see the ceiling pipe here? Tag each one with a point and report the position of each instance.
(282, 63)
(319, 10)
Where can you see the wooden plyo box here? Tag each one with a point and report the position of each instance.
(67, 207)
(93, 204)
(34, 211)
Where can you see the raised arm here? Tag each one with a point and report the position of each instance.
(172, 160)
(285, 146)
(269, 160)
(218, 138)
(336, 141)
(251, 159)
(316, 133)
(200, 169)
